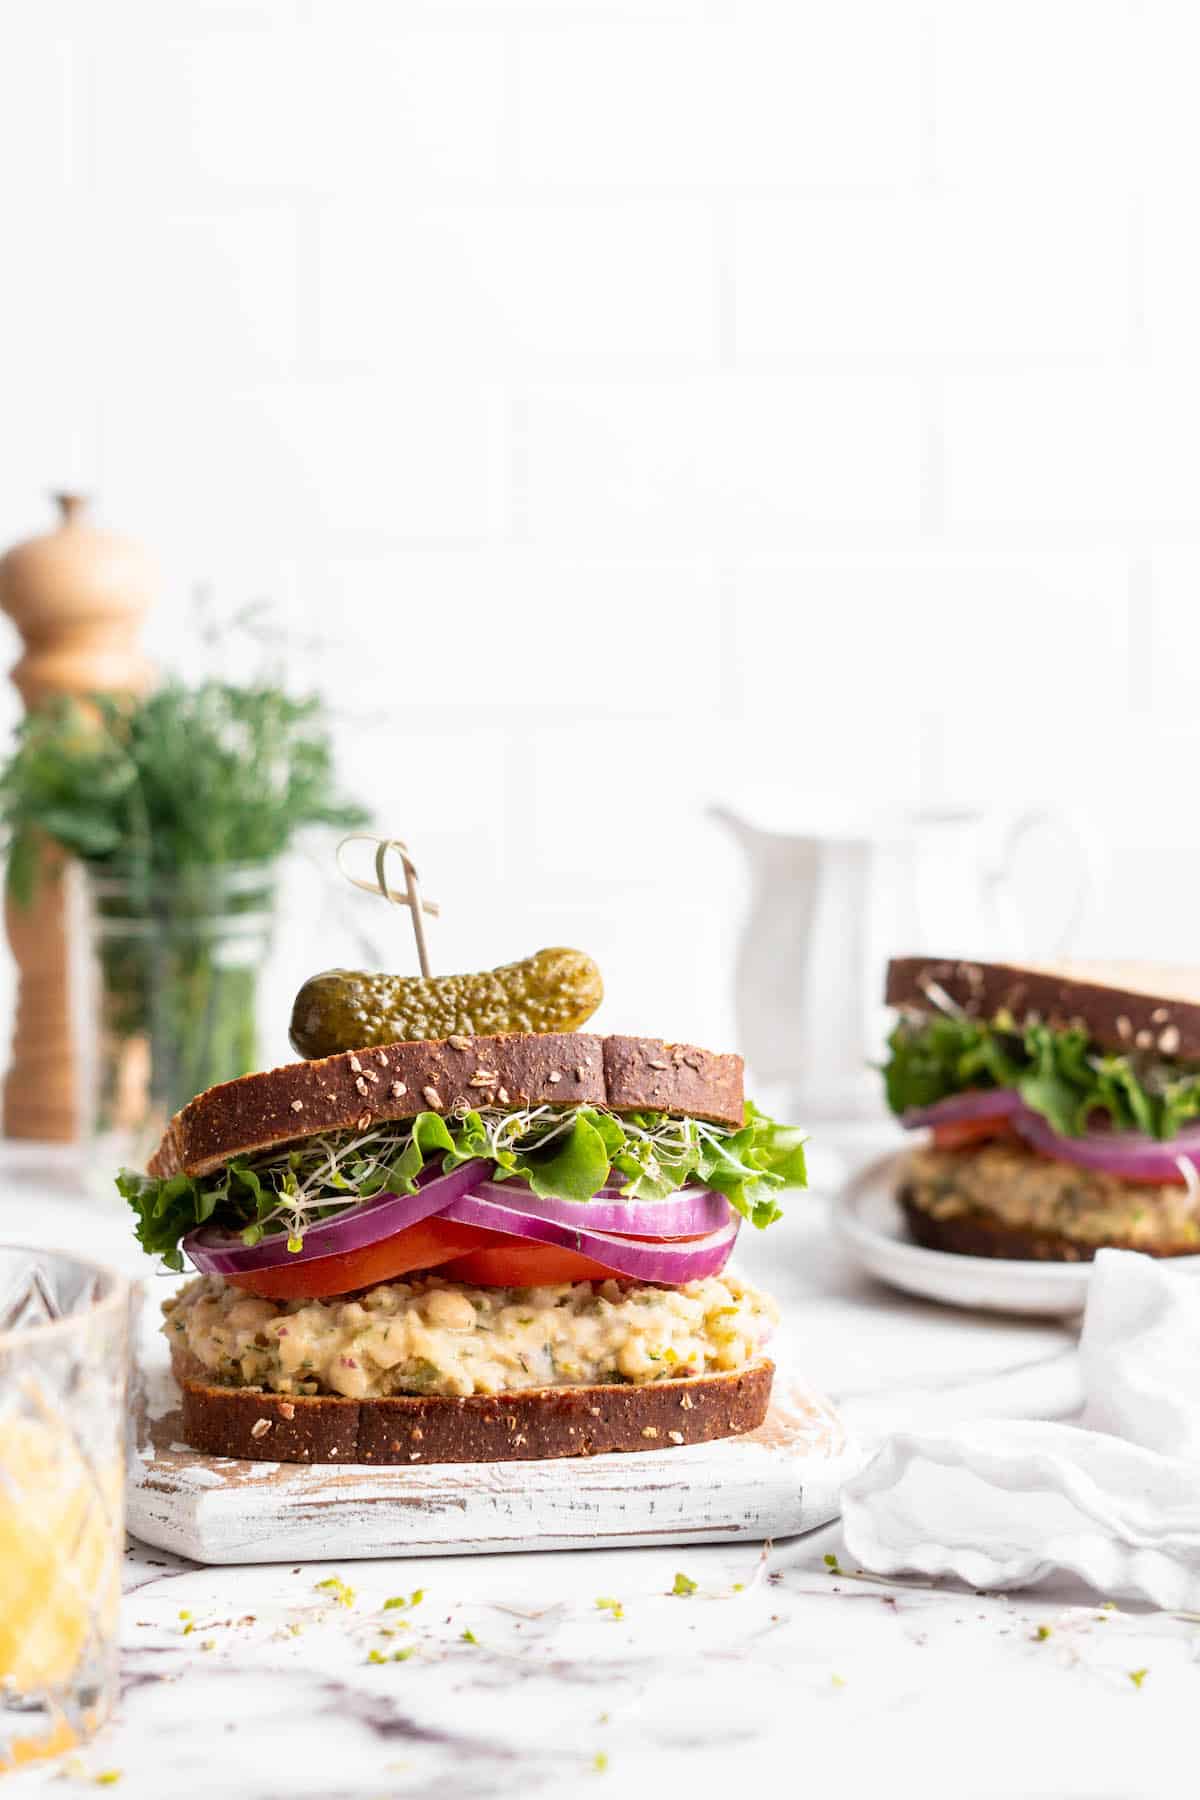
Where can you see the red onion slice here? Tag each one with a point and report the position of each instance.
(668, 1263)
(1127, 1154)
(223, 1252)
(691, 1212)
(977, 1103)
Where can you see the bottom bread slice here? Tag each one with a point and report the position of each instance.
(979, 1233)
(528, 1426)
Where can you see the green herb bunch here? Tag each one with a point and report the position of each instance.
(185, 799)
(187, 778)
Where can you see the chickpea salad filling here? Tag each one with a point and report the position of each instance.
(427, 1335)
(1026, 1191)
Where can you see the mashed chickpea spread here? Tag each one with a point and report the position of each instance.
(1030, 1192)
(429, 1336)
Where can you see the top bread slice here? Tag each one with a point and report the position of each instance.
(1150, 1007)
(366, 1087)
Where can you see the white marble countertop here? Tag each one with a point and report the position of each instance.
(844, 1685)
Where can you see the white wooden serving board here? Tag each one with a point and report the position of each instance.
(782, 1479)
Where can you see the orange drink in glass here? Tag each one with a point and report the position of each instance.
(64, 1357)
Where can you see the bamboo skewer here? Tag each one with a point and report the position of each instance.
(412, 897)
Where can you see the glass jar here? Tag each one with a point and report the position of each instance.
(175, 981)
(64, 1360)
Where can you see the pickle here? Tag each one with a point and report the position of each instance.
(350, 1009)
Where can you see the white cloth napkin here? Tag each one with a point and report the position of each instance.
(1114, 1498)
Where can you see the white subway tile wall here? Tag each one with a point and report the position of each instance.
(625, 403)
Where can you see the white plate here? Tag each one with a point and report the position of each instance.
(869, 1222)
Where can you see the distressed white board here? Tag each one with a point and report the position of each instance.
(782, 1479)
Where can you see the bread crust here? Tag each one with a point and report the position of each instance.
(366, 1087)
(978, 1233)
(1116, 1017)
(529, 1426)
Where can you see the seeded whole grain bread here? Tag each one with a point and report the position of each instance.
(1122, 1006)
(979, 1233)
(365, 1087)
(520, 1427)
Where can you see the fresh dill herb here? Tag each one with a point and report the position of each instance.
(182, 802)
(185, 778)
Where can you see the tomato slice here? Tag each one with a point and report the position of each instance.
(425, 1246)
(517, 1264)
(960, 1134)
(467, 1253)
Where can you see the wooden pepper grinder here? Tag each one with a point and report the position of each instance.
(77, 596)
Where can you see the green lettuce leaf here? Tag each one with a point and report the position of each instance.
(752, 1165)
(566, 1154)
(573, 1167)
(167, 1210)
(1059, 1074)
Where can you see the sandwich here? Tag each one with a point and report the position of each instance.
(1062, 1106)
(472, 1249)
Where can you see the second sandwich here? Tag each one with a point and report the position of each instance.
(1063, 1106)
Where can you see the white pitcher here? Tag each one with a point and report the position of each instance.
(830, 906)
